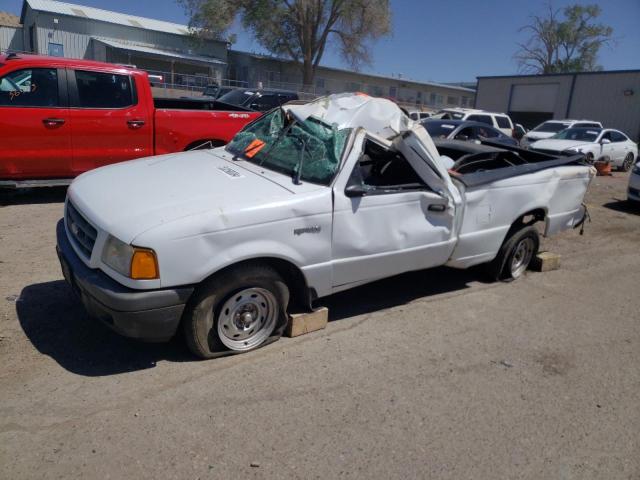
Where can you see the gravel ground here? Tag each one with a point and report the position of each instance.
(433, 374)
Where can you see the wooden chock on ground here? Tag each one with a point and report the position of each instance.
(301, 323)
(545, 262)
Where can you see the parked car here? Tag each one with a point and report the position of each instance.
(500, 121)
(306, 201)
(469, 131)
(633, 192)
(60, 117)
(260, 100)
(549, 128)
(419, 115)
(594, 144)
(215, 91)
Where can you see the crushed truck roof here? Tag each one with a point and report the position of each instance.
(379, 116)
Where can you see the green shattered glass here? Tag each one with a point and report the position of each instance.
(321, 144)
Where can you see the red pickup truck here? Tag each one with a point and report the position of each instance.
(60, 117)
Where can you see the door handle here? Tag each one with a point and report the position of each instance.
(135, 123)
(437, 207)
(53, 122)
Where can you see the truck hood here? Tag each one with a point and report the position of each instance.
(130, 198)
(559, 145)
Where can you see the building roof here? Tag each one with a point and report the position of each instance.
(565, 74)
(373, 75)
(158, 52)
(9, 20)
(73, 10)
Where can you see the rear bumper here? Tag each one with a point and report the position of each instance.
(150, 315)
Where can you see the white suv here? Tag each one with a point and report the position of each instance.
(501, 121)
(549, 128)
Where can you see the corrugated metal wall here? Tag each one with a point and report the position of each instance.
(11, 39)
(75, 34)
(604, 95)
(596, 96)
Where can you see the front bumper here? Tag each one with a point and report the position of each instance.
(150, 315)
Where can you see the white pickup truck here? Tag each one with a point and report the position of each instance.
(306, 201)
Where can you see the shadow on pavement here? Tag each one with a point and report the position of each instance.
(399, 290)
(624, 206)
(56, 323)
(29, 196)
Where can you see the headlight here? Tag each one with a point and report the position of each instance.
(133, 262)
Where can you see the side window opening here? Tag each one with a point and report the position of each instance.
(503, 122)
(31, 87)
(103, 90)
(382, 169)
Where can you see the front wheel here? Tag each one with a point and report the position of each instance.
(515, 255)
(237, 311)
(627, 163)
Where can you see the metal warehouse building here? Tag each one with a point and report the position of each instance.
(50, 27)
(611, 97)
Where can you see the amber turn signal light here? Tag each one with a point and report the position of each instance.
(144, 265)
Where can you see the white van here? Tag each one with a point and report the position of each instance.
(501, 121)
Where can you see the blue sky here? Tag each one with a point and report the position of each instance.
(452, 40)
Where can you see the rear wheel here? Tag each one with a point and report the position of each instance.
(627, 163)
(237, 311)
(516, 254)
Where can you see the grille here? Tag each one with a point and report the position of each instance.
(81, 231)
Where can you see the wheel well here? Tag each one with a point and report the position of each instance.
(534, 216)
(301, 296)
(529, 218)
(198, 143)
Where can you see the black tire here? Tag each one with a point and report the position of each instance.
(589, 158)
(204, 312)
(627, 163)
(502, 267)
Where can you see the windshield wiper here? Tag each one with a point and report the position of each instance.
(303, 150)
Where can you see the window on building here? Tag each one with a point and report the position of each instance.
(432, 99)
(419, 96)
(451, 100)
(319, 82)
(439, 99)
(393, 92)
(353, 87)
(103, 90)
(56, 50)
(37, 87)
(464, 101)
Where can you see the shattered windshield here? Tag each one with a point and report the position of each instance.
(310, 150)
(582, 134)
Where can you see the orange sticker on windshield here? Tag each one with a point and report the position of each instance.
(253, 148)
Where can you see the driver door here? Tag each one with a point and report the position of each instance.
(386, 219)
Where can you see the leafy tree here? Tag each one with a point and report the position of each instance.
(298, 29)
(568, 44)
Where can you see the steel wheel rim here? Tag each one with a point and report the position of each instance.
(521, 257)
(247, 318)
(627, 162)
